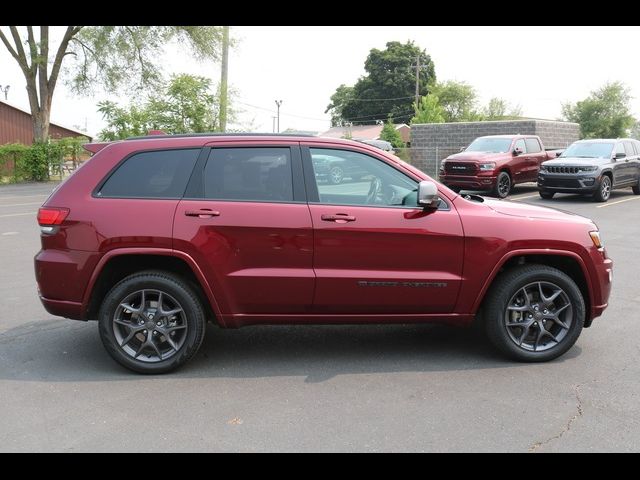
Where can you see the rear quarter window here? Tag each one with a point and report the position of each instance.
(156, 174)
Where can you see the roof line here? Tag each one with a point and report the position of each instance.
(15, 107)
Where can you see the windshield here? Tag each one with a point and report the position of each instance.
(490, 145)
(588, 150)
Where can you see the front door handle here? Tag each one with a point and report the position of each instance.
(202, 213)
(338, 218)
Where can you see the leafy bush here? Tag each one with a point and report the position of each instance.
(39, 161)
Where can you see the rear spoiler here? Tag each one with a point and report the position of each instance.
(95, 147)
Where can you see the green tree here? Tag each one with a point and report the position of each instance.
(184, 105)
(387, 88)
(339, 99)
(499, 109)
(605, 113)
(458, 100)
(106, 56)
(429, 110)
(391, 135)
(635, 131)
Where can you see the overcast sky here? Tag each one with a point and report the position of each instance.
(537, 68)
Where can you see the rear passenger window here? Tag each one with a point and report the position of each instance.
(533, 145)
(158, 174)
(250, 174)
(629, 149)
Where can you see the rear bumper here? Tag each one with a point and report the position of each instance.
(471, 182)
(63, 308)
(62, 277)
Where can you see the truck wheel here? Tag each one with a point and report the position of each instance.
(604, 190)
(503, 185)
(152, 322)
(636, 187)
(546, 194)
(534, 313)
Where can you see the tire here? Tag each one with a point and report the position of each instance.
(546, 194)
(636, 187)
(603, 192)
(126, 333)
(336, 176)
(526, 344)
(503, 185)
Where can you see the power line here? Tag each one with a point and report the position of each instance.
(283, 114)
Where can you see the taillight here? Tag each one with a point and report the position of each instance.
(50, 217)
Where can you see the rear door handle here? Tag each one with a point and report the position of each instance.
(202, 213)
(338, 218)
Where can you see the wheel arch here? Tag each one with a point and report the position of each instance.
(565, 261)
(118, 264)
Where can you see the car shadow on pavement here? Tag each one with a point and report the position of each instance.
(61, 351)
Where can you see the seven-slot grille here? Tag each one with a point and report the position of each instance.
(561, 169)
(460, 168)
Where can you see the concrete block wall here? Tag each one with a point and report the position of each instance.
(432, 142)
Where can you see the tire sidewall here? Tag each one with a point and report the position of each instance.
(497, 189)
(194, 315)
(497, 331)
(331, 179)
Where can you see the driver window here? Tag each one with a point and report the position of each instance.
(350, 178)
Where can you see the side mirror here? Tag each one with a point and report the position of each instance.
(518, 151)
(462, 149)
(620, 155)
(428, 194)
(558, 154)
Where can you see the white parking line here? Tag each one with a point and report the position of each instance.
(619, 201)
(522, 198)
(24, 196)
(6, 234)
(19, 204)
(18, 214)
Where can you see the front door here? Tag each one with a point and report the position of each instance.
(249, 229)
(375, 251)
(536, 156)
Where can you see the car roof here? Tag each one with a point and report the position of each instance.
(508, 136)
(601, 140)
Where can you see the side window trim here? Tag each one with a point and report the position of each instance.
(95, 193)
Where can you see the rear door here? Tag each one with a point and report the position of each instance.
(629, 162)
(375, 250)
(247, 224)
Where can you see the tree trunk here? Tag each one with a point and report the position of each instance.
(41, 126)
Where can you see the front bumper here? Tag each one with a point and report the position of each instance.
(470, 182)
(568, 183)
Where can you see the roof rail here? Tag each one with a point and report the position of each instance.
(218, 134)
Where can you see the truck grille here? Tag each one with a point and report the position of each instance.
(459, 168)
(560, 169)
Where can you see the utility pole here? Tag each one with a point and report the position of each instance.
(418, 67)
(274, 123)
(223, 79)
(418, 81)
(5, 90)
(278, 103)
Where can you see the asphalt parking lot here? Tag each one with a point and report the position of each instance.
(319, 388)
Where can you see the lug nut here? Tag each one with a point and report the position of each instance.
(158, 323)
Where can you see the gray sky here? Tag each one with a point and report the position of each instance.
(537, 68)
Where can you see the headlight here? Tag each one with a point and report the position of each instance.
(590, 168)
(595, 238)
(487, 166)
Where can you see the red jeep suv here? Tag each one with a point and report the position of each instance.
(155, 236)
